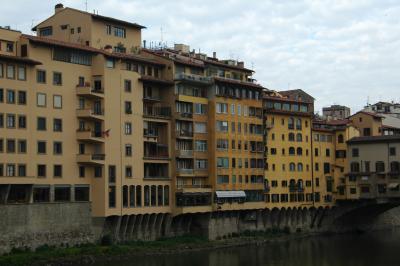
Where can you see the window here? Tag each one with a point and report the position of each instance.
(392, 151)
(82, 193)
(71, 56)
(10, 71)
(111, 196)
(328, 152)
(128, 107)
(200, 127)
(354, 152)
(47, 31)
(79, 29)
(41, 147)
(222, 144)
(327, 168)
(21, 73)
(340, 138)
(1, 95)
(98, 171)
(62, 193)
(110, 63)
(57, 147)
(128, 128)
(21, 146)
(10, 121)
(57, 101)
(41, 76)
(201, 164)
(128, 150)
(222, 179)
(10, 96)
(367, 131)
(201, 145)
(41, 99)
(108, 29)
(41, 170)
(119, 32)
(10, 170)
(128, 85)
(82, 171)
(128, 171)
(57, 78)
(57, 170)
(21, 97)
(22, 170)
(222, 108)
(200, 109)
(379, 167)
(232, 109)
(222, 126)
(223, 162)
(10, 145)
(1, 71)
(57, 125)
(41, 123)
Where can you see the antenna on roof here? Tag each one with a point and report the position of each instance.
(161, 31)
(86, 5)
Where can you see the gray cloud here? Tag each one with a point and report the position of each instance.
(339, 51)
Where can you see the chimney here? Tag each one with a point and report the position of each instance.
(240, 64)
(108, 48)
(144, 44)
(214, 55)
(58, 8)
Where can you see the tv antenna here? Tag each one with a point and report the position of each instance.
(86, 5)
(162, 33)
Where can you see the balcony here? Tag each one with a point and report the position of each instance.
(184, 116)
(92, 159)
(184, 153)
(183, 133)
(89, 136)
(193, 79)
(150, 135)
(156, 171)
(90, 114)
(87, 91)
(157, 112)
(151, 98)
(156, 152)
(184, 171)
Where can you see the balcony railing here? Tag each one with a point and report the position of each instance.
(185, 115)
(192, 78)
(184, 133)
(185, 171)
(184, 153)
(156, 151)
(148, 132)
(158, 112)
(84, 112)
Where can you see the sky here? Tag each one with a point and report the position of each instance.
(341, 52)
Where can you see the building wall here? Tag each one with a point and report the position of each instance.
(362, 121)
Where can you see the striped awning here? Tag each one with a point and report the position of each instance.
(231, 194)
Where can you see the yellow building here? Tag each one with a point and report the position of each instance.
(289, 174)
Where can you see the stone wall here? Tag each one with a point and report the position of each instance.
(54, 224)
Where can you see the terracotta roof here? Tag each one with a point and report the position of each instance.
(99, 17)
(282, 99)
(238, 82)
(19, 59)
(156, 80)
(218, 63)
(338, 122)
(368, 139)
(368, 113)
(53, 42)
(292, 93)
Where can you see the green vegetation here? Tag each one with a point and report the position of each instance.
(85, 253)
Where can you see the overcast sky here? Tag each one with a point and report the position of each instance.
(341, 52)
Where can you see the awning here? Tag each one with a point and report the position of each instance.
(231, 194)
(393, 185)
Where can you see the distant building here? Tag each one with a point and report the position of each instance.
(390, 113)
(336, 112)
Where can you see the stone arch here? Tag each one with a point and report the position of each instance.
(282, 217)
(275, 217)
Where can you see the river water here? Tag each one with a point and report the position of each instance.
(372, 249)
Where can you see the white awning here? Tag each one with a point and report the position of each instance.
(393, 185)
(231, 194)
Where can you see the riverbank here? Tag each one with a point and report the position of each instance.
(87, 254)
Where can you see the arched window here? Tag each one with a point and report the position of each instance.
(138, 196)
(159, 195)
(300, 167)
(125, 196)
(355, 167)
(298, 123)
(380, 167)
(292, 184)
(395, 167)
(292, 167)
(166, 195)
(291, 123)
(146, 196)
(291, 136)
(153, 195)
(266, 184)
(131, 196)
(299, 137)
(340, 138)
(299, 151)
(292, 151)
